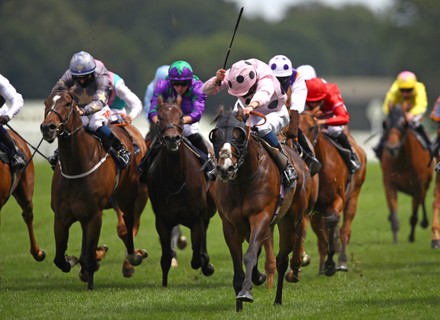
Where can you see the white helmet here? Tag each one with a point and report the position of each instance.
(307, 71)
(281, 66)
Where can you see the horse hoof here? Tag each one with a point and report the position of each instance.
(330, 271)
(208, 270)
(289, 276)
(259, 279)
(245, 296)
(134, 259)
(182, 243)
(72, 261)
(342, 268)
(435, 244)
(142, 253)
(305, 260)
(101, 252)
(174, 263)
(83, 276)
(127, 269)
(40, 256)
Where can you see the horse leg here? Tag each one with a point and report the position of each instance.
(234, 241)
(134, 257)
(345, 231)
(291, 233)
(164, 232)
(258, 232)
(61, 230)
(435, 239)
(331, 223)
(207, 268)
(23, 199)
(175, 235)
(413, 220)
(305, 258)
(271, 263)
(91, 232)
(258, 278)
(318, 227)
(391, 195)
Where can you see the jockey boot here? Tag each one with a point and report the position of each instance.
(122, 153)
(53, 159)
(436, 145)
(282, 161)
(378, 149)
(17, 160)
(207, 163)
(308, 156)
(113, 145)
(147, 160)
(421, 131)
(353, 163)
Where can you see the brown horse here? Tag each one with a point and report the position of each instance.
(249, 201)
(178, 190)
(406, 167)
(21, 186)
(85, 182)
(337, 196)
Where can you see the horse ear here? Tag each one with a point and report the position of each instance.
(179, 100)
(239, 114)
(160, 100)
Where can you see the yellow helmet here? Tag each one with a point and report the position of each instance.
(406, 80)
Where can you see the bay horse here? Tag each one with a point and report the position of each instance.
(249, 201)
(337, 196)
(178, 190)
(85, 182)
(21, 186)
(406, 167)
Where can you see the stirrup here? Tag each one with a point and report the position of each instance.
(354, 166)
(313, 163)
(289, 176)
(124, 157)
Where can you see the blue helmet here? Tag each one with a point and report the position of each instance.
(82, 63)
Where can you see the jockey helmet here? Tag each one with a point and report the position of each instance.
(281, 66)
(406, 80)
(316, 90)
(307, 71)
(180, 70)
(82, 63)
(241, 77)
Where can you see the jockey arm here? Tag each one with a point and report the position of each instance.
(134, 104)
(340, 117)
(11, 96)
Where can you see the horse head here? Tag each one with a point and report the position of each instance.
(395, 126)
(59, 112)
(229, 139)
(170, 123)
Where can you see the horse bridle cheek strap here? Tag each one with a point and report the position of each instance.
(160, 131)
(61, 128)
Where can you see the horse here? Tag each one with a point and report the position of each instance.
(251, 200)
(406, 167)
(435, 240)
(85, 182)
(178, 190)
(337, 196)
(21, 186)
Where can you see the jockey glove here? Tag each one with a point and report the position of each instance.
(4, 119)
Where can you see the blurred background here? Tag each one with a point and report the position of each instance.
(360, 45)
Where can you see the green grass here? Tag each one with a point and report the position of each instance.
(385, 280)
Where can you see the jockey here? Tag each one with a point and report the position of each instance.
(410, 94)
(334, 115)
(307, 71)
(91, 85)
(15, 100)
(293, 84)
(254, 84)
(181, 80)
(160, 74)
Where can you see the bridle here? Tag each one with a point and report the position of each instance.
(62, 126)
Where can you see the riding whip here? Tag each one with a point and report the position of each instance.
(233, 36)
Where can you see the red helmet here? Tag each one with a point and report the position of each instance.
(316, 90)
